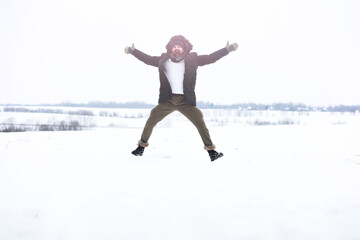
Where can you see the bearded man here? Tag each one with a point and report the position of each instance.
(177, 74)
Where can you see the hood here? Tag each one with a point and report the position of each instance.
(179, 38)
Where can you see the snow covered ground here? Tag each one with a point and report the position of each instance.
(276, 182)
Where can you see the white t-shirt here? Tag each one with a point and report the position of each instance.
(175, 74)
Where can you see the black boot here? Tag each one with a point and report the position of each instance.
(214, 155)
(138, 151)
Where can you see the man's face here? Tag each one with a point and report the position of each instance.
(177, 50)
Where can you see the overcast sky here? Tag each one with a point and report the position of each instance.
(289, 51)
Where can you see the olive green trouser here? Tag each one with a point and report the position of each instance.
(177, 103)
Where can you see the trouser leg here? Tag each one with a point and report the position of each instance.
(196, 117)
(157, 114)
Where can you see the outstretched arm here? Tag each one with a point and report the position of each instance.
(211, 58)
(150, 60)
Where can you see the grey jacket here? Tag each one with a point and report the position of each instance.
(192, 62)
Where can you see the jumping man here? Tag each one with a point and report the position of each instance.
(177, 73)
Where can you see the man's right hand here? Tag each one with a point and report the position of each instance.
(129, 50)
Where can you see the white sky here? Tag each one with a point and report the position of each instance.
(289, 51)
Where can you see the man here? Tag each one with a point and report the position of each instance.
(177, 73)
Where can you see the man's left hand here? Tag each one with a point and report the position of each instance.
(232, 47)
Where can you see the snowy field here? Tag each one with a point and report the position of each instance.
(278, 182)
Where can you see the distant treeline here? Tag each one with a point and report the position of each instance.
(282, 107)
(43, 110)
(208, 105)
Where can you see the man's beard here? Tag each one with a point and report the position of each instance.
(177, 56)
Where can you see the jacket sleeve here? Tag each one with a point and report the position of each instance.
(211, 58)
(150, 60)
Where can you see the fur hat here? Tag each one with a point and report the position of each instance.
(181, 41)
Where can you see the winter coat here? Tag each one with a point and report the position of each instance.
(192, 62)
